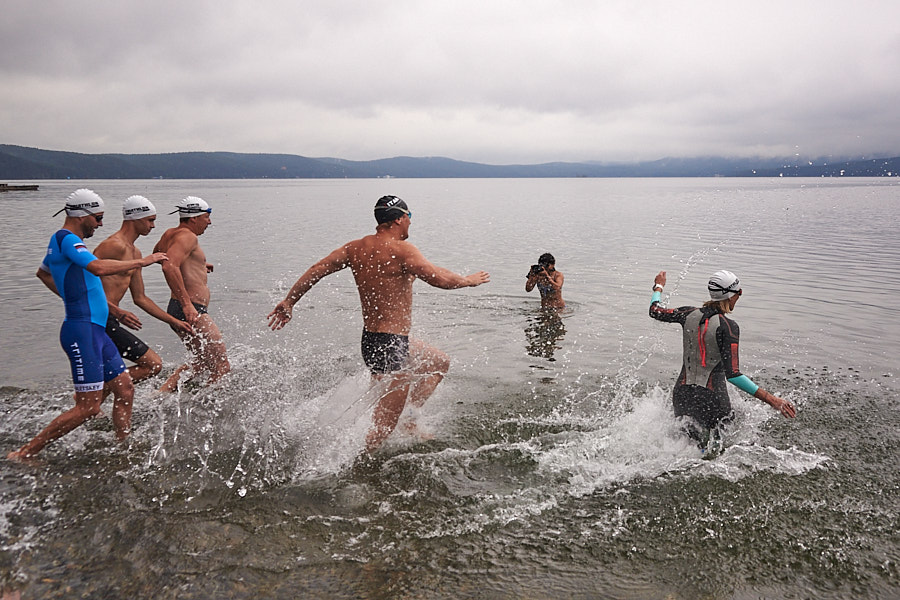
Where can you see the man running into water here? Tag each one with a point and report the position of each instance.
(70, 270)
(138, 218)
(385, 266)
(710, 341)
(186, 273)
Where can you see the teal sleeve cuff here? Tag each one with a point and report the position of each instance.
(656, 296)
(743, 382)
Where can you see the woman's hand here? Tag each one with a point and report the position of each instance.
(659, 280)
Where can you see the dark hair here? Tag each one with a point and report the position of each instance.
(546, 259)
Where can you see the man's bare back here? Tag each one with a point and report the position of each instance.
(384, 266)
(385, 286)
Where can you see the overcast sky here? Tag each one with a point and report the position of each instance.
(492, 81)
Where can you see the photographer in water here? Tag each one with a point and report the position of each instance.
(548, 280)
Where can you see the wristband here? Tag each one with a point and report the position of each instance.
(656, 285)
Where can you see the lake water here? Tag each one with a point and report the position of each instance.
(554, 469)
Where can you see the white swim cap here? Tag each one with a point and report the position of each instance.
(192, 206)
(82, 203)
(723, 285)
(137, 207)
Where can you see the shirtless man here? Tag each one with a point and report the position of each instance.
(72, 272)
(138, 218)
(186, 272)
(385, 266)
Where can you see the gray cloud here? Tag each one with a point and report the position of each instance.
(501, 82)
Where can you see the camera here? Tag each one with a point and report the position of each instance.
(536, 270)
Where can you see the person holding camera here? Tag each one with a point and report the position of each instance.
(548, 280)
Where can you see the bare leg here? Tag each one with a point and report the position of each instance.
(387, 411)
(171, 384)
(208, 351)
(431, 362)
(87, 406)
(123, 397)
(147, 366)
(428, 367)
(212, 349)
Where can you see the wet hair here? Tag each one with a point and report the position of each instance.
(724, 306)
(546, 259)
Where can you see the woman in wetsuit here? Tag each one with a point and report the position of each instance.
(548, 280)
(710, 341)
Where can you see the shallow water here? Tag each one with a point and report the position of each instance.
(548, 463)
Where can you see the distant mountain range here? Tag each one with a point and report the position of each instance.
(19, 163)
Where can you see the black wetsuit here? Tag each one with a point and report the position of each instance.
(710, 341)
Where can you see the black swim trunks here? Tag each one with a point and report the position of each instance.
(384, 352)
(174, 309)
(128, 344)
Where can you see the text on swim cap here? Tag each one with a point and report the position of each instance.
(83, 205)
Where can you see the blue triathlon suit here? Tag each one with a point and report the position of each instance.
(83, 337)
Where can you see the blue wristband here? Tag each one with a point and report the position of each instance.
(743, 382)
(655, 297)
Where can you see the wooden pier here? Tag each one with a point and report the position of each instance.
(6, 187)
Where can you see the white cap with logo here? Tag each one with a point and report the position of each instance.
(723, 285)
(191, 206)
(137, 207)
(82, 203)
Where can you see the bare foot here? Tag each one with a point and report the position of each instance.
(410, 428)
(22, 457)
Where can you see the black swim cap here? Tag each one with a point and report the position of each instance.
(390, 208)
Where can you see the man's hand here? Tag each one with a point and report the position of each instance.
(477, 278)
(660, 279)
(280, 316)
(130, 320)
(156, 257)
(183, 326)
(190, 313)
